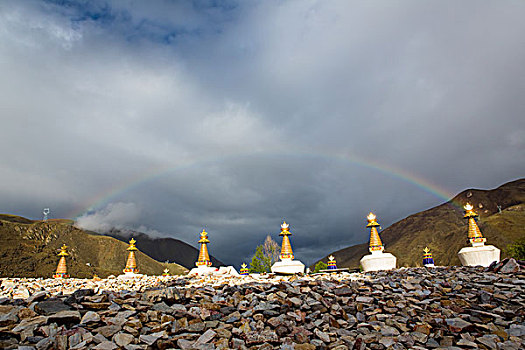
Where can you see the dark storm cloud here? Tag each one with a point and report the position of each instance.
(253, 106)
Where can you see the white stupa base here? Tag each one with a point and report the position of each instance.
(227, 270)
(209, 270)
(378, 261)
(288, 267)
(483, 255)
(429, 265)
(129, 275)
(203, 270)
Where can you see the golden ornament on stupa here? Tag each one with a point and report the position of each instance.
(286, 247)
(204, 257)
(375, 240)
(61, 271)
(474, 233)
(166, 272)
(131, 263)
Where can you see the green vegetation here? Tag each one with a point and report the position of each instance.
(260, 263)
(265, 256)
(320, 266)
(517, 250)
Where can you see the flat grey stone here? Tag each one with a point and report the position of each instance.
(106, 345)
(90, 317)
(206, 337)
(51, 306)
(67, 316)
(122, 339)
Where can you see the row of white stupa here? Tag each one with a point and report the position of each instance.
(286, 265)
(478, 254)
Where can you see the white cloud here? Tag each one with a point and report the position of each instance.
(115, 215)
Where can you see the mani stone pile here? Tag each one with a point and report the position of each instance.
(416, 308)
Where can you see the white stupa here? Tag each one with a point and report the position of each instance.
(287, 265)
(478, 254)
(377, 259)
(203, 262)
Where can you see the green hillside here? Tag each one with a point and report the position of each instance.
(29, 249)
(444, 230)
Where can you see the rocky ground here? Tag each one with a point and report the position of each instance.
(417, 308)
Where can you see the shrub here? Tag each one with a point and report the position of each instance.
(320, 266)
(517, 250)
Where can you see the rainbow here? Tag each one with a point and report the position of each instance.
(104, 197)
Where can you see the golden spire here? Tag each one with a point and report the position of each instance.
(131, 263)
(375, 241)
(204, 257)
(166, 272)
(474, 233)
(61, 271)
(286, 247)
(132, 245)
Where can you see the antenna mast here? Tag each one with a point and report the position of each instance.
(46, 213)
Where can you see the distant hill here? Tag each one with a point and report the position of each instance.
(28, 248)
(164, 249)
(444, 230)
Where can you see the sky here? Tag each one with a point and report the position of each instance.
(173, 116)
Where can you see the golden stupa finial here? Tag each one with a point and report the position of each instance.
(204, 237)
(132, 242)
(426, 250)
(244, 265)
(166, 272)
(331, 258)
(63, 251)
(372, 220)
(469, 211)
(285, 229)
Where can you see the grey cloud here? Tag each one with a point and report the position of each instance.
(247, 110)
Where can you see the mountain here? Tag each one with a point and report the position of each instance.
(444, 230)
(164, 249)
(28, 248)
